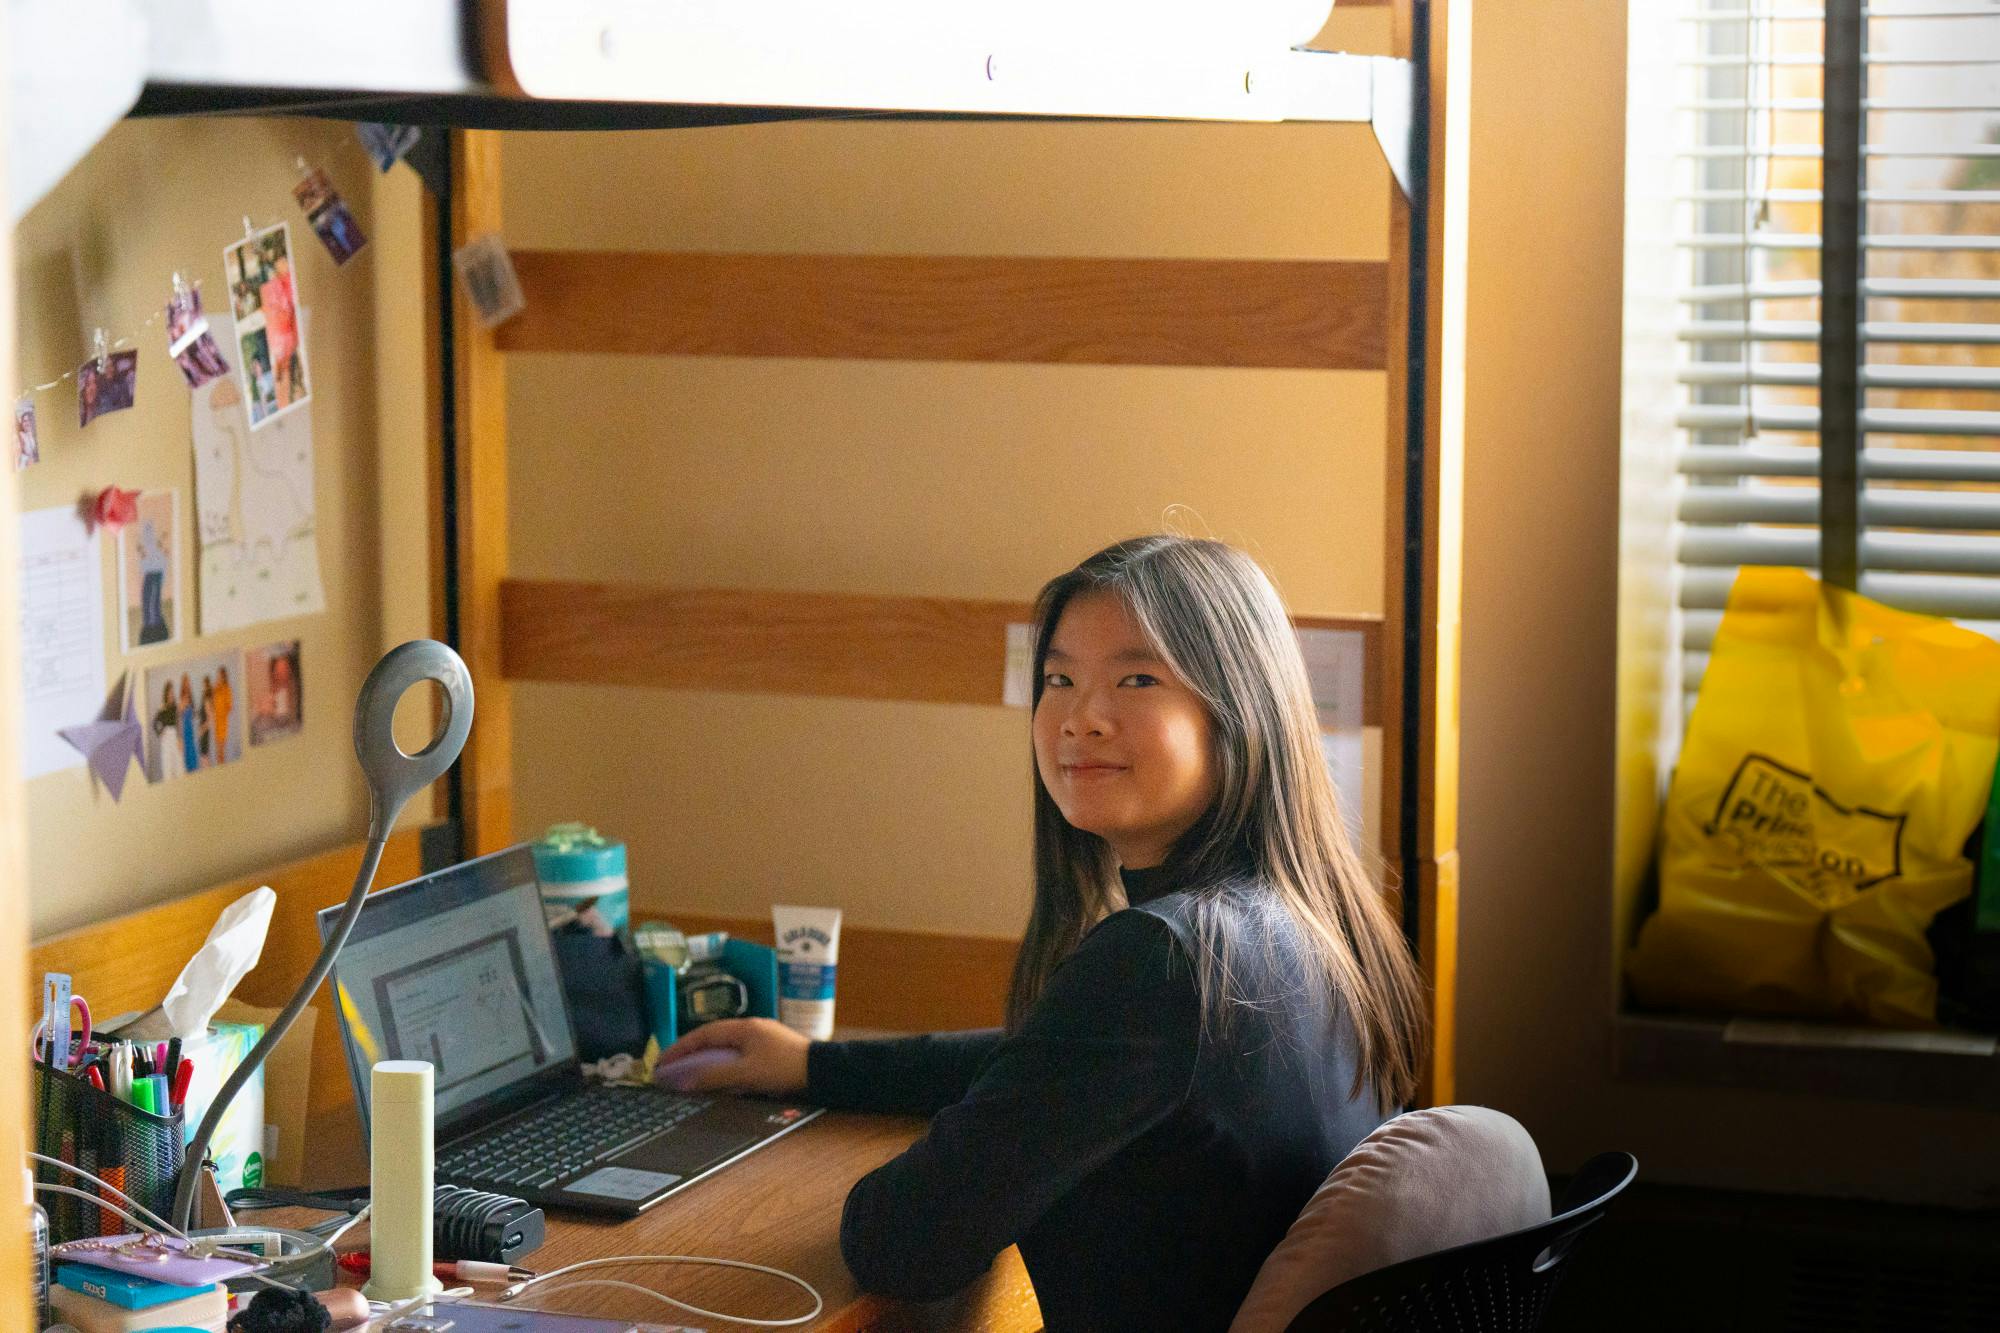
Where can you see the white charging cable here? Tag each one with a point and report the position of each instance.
(157, 1223)
(520, 1289)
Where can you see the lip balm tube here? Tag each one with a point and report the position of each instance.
(808, 950)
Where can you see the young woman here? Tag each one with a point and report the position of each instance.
(1212, 1003)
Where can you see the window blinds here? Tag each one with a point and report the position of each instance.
(1839, 133)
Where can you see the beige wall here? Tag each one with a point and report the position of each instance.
(153, 197)
(960, 480)
(1541, 584)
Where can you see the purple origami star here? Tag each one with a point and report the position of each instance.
(112, 742)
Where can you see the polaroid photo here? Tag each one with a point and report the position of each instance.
(271, 347)
(331, 221)
(149, 552)
(111, 387)
(194, 711)
(386, 143)
(488, 274)
(277, 691)
(27, 444)
(189, 341)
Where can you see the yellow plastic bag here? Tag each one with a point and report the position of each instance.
(1839, 756)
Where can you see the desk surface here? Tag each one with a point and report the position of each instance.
(780, 1206)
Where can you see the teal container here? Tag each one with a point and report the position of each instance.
(756, 965)
(580, 867)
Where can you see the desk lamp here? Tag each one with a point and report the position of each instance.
(393, 778)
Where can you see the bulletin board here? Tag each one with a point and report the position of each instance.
(243, 613)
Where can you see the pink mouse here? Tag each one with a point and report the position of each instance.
(680, 1073)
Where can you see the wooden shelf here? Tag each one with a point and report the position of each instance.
(1932, 1069)
(1272, 314)
(844, 645)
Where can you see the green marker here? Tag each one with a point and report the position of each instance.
(142, 1095)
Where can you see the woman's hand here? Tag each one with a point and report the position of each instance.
(768, 1057)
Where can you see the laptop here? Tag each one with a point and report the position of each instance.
(456, 969)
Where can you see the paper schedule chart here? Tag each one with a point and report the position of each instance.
(62, 635)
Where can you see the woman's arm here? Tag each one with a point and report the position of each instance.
(899, 1075)
(1108, 1053)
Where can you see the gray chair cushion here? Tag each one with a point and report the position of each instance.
(1423, 1182)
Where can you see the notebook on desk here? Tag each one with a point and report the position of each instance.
(456, 968)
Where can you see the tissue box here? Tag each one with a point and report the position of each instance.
(238, 1147)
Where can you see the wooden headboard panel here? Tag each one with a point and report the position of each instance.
(128, 962)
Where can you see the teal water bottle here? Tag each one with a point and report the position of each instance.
(581, 868)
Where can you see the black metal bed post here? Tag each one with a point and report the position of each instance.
(442, 184)
(1415, 475)
(1841, 224)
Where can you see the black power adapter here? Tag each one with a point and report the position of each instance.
(494, 1228)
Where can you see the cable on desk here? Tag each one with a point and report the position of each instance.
(520, 1289)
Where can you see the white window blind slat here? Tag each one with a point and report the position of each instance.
(1880, 464)
(1905, 289)
(1874, 420)
(1971, 511)
(1899, 552)
(1882, 375)
(1930, 333)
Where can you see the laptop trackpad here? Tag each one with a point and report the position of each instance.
(685, 1150)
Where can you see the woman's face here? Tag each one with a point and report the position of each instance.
(1121, 742)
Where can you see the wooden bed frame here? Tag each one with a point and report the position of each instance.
(1332, 315)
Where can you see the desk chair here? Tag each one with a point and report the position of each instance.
(1422, 1207)
(1502, 1285)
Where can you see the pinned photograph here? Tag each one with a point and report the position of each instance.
(271, 351)
(331, 221)
(194, 715)
(110, 387)
(277, 691)
(27, 444)
(386, 143)
(488, 274)
(149, 549)
(189, 341)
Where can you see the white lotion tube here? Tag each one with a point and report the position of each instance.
(808, 949)
(401, 1176)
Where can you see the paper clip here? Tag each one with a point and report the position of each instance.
(249, 232)
(102, 348)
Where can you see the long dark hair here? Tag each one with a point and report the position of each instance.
(1212, 615)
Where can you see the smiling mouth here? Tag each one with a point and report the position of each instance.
(1091, 770)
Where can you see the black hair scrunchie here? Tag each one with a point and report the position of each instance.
(292, 1310)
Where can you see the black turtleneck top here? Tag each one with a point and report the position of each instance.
(1144, 1161)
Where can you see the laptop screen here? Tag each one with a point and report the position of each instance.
(455, 969)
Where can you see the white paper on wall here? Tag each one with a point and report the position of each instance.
(254, 513)
(62, 635)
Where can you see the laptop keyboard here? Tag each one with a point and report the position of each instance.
(555, 1141)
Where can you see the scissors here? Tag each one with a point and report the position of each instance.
(58, 1009)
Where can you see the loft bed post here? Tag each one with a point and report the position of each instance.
(473, 458)
(1423, 524)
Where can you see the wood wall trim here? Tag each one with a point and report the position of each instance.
(1281, 314)
(486, 770)
(893, 980)
(128, 962)
(844, 645)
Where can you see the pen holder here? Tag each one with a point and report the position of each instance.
(138, 1152)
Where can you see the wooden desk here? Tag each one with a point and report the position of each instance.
(779, 1206)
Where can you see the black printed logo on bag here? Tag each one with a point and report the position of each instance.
(1778, 819)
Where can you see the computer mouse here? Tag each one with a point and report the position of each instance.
(680, 1074)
